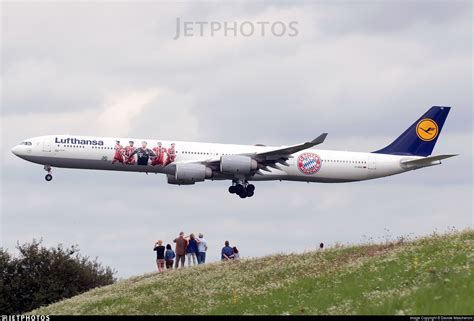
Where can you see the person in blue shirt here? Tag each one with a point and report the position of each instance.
(192, 250)
(169, 257)
(227, 252)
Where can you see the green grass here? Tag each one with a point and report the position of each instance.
(432, 275)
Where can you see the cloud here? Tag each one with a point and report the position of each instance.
(121, 110)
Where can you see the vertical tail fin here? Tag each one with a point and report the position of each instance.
(420, 138)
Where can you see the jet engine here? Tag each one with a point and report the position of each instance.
(188, 174)
(238, 164)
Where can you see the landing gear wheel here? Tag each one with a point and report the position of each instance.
(242, 188)
(239, 189)
(48, 176)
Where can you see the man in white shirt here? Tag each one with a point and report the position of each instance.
(202, 248)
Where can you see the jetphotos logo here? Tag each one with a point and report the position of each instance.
(242, 29)
(309, 163)
(74, 141)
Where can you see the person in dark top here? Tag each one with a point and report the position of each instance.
(143, 154)
(321, 245)
(192, 250)
(227, 252)
(160, 255)
(169, 257)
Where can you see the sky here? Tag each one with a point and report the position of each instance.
(362, 71)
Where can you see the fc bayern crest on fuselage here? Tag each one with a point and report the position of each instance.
(309, 163)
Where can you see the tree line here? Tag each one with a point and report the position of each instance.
(38, 276)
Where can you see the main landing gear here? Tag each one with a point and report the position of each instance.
(243, 189)
(48, 176)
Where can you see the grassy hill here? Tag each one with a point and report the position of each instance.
(432, 275)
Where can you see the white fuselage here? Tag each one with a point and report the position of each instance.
(335, 166)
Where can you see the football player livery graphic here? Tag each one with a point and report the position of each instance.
(129, 152)
(119, 152)
(158, 150)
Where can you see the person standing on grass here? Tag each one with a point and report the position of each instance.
(169, 257)
(236, 255)
(202, 249)
(227, 252)
(192, 250)
(181, 244)
(160, 255)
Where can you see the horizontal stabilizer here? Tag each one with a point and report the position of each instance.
(426, 161)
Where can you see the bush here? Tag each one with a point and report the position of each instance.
(40, 276)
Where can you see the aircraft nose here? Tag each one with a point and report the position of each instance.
(16, 150)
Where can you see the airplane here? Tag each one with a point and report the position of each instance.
(186, 163)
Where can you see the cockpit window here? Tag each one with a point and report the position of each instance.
(26, 143)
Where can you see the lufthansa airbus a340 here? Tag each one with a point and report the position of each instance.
(185, 163)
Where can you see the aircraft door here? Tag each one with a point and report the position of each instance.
(212, 153)
(47, 145)
(371, 164)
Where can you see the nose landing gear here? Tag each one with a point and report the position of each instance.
(48, 176)
(242, 188)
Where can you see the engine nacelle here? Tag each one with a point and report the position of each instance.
(238, 164)
(172, 180)
(188, 174)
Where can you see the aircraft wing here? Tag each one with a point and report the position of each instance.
(285, 152)
(270, 158)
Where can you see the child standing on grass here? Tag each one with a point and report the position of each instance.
(169, 257)
(160, 255)
(236, 255)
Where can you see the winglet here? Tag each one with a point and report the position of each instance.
(319, 140)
